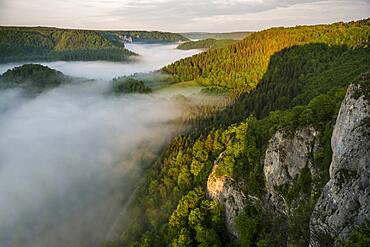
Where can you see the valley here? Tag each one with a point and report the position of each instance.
(83, 148)
(113, 138)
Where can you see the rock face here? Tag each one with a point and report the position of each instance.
(224, 190)
(345, 200)
(286, 156)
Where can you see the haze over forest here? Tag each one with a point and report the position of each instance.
(184, 123)
(79, 150)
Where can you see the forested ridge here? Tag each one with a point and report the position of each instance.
(23, 43)
(242, 65)
(205, 35)
(206, 44)
(286, 78)
(47, 43)
(34, 77)
(150, 36)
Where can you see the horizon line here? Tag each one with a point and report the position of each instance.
(148, 30)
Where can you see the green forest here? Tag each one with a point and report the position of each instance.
(206, 44)
(205, 35)
(242, 65)
(48, 44)
(51, 44)
(34, 76)
(150, 36)
(280, 78)
(129, 85)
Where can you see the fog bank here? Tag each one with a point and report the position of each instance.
(70, 157)
(151, 57)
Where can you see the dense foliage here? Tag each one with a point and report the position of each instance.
(359, 237)
(104, 54)
(206, 44)
(294, 77)
(302, 73)
(32, 75)
(243, 64)
(187, 163)
(22, 43)
(202, 35)
(151, 36)
(129, 85)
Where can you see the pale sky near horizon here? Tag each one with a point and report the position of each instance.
(179, 15)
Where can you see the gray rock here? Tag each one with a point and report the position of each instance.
(286, 156)
(345, 200)
(226, 191)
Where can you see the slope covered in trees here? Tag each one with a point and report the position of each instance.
(33, 76)
(294, 77)
(129, 85)
(23, 43)
(205, 35)
(303, 84)
(47, 43)
(243, 64)
(149, 36)
(206, 44)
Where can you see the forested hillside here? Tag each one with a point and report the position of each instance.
(288, 80)
(129, 85)
(206, 44)
(23, 43)
(205, 35)
(243, 64)
(149, 36)
(34, 77)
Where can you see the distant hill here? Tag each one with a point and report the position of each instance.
(204, 35)
(50, 44)
(242, 65)
(144, 36)
(128, 85)
(45, 44)
(32, 76)
(206, 44)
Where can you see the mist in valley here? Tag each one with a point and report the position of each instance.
(71, 156)
(151, 57)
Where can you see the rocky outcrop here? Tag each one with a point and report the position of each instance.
(225, 190)
(286, 156)
(345, 200)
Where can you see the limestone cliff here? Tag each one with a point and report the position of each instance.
(291, 156)
(285, 158)
(345, 200)
(225, 190)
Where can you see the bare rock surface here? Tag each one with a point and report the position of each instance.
(226, 191)
(345, 200)
(285, 157)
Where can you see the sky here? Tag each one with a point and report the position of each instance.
(179, 15)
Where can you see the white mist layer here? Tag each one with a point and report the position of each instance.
(151, 57)
(68, 143)
(70, 157)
